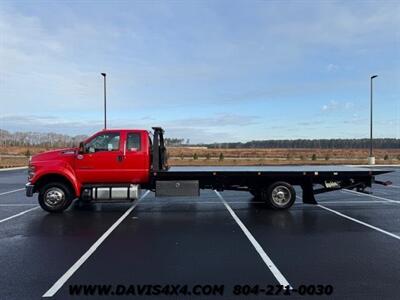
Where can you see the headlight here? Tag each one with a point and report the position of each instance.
(31, 172)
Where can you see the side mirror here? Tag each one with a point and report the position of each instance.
(81, 148)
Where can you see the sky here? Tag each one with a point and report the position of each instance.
(208, 71)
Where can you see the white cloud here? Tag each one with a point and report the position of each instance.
(334, 105)
(348, 105)
(38, 69)
(332, 68)
(216, 121)
(331, 106)
(197, 129)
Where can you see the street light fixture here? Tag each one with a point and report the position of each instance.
(371, 159)
(105, 101)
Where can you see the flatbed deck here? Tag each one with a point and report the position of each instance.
(327, 169)
(313, 179)
(317, 173)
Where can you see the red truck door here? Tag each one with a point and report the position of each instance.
(102, 160)
(136, 157)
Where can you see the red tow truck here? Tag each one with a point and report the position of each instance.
(114, 165)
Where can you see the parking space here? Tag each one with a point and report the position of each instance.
(12, 180)
(350, 241)
(310, 244)
(175, 242)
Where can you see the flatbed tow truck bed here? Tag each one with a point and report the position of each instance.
(265, 182)
(253, 178)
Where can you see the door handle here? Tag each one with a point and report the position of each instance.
(120, 158)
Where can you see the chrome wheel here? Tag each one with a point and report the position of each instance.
(54, 197)
(281, 195)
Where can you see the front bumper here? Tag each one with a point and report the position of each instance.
(29, 189)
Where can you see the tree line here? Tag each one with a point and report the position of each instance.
(39, 139)
(54, 140)
(381, 143)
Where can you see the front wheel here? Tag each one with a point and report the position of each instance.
(55, 197)
(279, 195)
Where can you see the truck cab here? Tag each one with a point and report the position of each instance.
(114, 156)
(109, 164)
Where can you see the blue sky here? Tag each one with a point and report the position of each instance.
(210, 71)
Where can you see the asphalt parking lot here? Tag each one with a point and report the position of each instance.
(350, 241)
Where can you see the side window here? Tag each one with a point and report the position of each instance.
(133, 142)
(103, 142)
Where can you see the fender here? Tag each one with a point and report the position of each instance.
(60, 169)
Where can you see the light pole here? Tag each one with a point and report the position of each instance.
(371, 159)
(105, 101)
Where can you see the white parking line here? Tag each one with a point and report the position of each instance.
(12, 169)
(203, 202)
(60, 282)
(9, 192)
(353, 202)
(373, 196)
(17, 204)
(393, 186)
(347, 191)
(275, 271)
(19, 214)
(360, 222)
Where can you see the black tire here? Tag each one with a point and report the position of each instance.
(279, 195)
(52, 202)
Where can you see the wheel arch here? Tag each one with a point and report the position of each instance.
(56, 177)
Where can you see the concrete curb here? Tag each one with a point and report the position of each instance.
(11, 169)
(373, 166)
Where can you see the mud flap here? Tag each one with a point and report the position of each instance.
(308, 193)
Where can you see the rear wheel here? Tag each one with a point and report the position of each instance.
(279, 195)
(55, 197)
